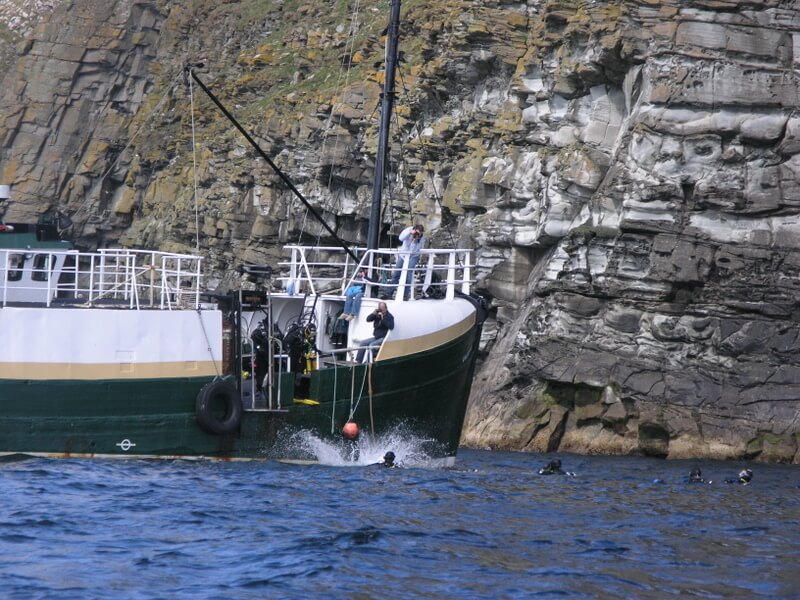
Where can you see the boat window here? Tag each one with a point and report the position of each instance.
(42, 266)
(15, 264)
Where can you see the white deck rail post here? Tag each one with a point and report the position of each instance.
(49, 271)
(164, 291)
(152, 278)
(451, 277)
(467, 273)
(344, 278)
(309, 278)
(102, 274)
(198, 279)
(5, 276)
(129, 283)
(291, 287)
(429, 272)
(116, 275)
(91, 277)
(178, 289)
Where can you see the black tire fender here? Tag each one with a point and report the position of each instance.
(214, 395)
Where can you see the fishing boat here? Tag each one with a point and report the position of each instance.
(122, 353)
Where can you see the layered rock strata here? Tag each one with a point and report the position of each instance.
(663, 316)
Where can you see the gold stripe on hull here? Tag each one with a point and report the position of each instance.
(394, 348)
(101, 371)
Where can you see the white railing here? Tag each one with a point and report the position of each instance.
(331, 270)
(132, 278)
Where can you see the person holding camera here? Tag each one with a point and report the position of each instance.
(413, 240)
(383, 322)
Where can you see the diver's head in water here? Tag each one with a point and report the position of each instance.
(744, 477)
(388, 459)
(552, 468)
(696, 476)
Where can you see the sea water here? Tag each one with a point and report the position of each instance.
(488, 527)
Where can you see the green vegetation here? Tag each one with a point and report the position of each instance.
(298, 63)
(276, 64)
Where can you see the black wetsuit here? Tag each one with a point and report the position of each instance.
(745, 476)
(554, 468)
(548, 470)
(696, 476)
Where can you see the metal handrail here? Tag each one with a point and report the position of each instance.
(132, 278)
(311, 269)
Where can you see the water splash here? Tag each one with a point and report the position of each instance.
(410, 450)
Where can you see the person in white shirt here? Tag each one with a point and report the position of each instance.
(413, 240)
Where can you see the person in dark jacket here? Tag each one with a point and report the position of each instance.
(383, 322)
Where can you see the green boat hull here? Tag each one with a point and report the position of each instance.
(424, 393)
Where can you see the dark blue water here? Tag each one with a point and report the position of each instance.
(487, 528)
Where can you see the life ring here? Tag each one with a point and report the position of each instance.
(211, 400)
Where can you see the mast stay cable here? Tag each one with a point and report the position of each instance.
(190, 70)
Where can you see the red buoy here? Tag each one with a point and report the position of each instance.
(350, 430)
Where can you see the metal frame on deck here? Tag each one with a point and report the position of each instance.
(318, 270)
(125, 278)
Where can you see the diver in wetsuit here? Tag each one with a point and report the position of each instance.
(554, 468)
(388, 461)
(744, 478)
(696, 476)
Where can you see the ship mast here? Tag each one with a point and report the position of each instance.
(387, 101)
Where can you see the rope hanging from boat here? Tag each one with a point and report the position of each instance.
(352, 391)
(335, 389)
(208, 343)
(369, 391)
(354, 408)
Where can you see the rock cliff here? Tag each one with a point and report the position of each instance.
(628, 173)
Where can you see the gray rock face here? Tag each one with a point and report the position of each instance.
(628, 172)
(665, 317)
(62, 128)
